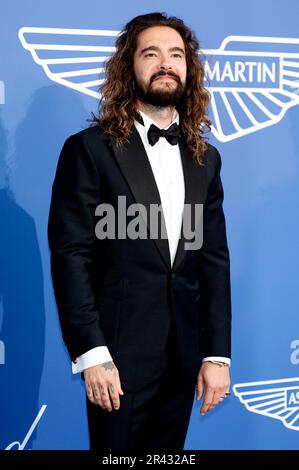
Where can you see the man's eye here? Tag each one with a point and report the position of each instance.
(177, 55)
(149, 54)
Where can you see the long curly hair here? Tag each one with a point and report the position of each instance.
(117, 105)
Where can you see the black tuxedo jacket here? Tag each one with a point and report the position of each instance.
(123, 293)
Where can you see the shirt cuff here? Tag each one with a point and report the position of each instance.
(91, 358)
(217, 358)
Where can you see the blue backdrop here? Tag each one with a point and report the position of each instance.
(255, 111)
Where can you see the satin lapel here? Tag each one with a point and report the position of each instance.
(136, 168)
(195, 177)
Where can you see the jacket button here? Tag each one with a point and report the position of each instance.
(173, 275)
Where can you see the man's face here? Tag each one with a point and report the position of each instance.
(160, 66)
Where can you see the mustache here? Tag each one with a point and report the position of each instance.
(162, 73)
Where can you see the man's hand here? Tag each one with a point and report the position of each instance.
(103, 385)
(216, 382)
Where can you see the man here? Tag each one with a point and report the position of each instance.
(146, 319)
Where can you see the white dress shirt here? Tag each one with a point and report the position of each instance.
(166, 164)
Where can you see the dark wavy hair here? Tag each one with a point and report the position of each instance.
(117, 105)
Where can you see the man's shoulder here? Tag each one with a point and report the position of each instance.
(212, 153)
(212, 159)
(87, 143)
(90, 136)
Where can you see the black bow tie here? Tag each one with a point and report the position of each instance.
(171, 134)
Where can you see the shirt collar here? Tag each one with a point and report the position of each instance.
(148, 121)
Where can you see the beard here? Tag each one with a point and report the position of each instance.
(162, 96)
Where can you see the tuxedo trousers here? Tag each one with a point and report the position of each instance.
(156, 417)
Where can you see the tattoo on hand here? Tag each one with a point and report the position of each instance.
(108, 365)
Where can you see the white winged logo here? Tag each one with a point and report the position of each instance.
(277, 399)
(253, 80)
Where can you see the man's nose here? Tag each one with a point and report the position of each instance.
(165, 62)
(165, 68)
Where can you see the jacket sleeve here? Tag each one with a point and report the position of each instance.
(71, 235)
(214, 269)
